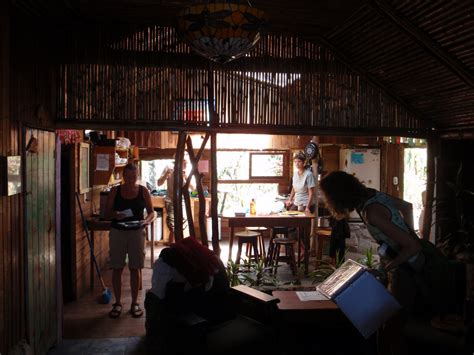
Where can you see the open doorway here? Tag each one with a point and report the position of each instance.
(414, 180)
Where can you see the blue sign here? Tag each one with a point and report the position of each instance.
(357, 158)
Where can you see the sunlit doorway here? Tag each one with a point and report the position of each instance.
(414, 180)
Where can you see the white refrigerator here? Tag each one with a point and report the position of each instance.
(364, 164)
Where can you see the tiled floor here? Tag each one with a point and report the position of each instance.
(105, 346)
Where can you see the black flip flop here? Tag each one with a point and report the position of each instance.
(116, 310)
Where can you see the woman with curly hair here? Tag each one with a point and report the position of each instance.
(416, 270)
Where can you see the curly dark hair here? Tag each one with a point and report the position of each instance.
(343, 193)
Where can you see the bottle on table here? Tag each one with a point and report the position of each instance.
(253, 207)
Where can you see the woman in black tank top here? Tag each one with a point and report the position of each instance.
(125, 206)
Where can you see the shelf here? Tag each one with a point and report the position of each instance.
(106, 156)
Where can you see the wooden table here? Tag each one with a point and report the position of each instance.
(302, 222)
(292, 309)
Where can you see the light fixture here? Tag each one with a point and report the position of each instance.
(221, 31)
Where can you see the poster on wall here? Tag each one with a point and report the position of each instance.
(11, 175)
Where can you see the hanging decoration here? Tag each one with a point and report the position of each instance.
(221, 31)
(68, 136)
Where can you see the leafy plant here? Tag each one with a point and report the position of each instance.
(368, 259)
(258, 274)
(233, 270)
(253, 274)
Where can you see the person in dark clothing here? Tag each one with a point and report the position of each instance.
(340, 231)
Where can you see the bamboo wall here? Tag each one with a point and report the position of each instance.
(150, 79)
(25, 99)
(12, 312)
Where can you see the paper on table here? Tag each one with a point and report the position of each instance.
(310, 296)
(102, 162)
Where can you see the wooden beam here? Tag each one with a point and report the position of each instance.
(178, 187)
(434, 49)
(214, 199)
(194, 171)
(194, 61)
(135, 125)
(432, 152)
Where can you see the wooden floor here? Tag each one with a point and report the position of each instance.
(87, 318)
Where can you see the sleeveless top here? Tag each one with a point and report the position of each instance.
(396, 218)
(137, 205)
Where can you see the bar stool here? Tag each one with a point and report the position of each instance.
(277, 232)
(249, 238)
(261, 241)
(322, 236)
(289, 256)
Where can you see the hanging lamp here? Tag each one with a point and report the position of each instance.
(221, 31)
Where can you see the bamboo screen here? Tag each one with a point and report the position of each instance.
(151, 77)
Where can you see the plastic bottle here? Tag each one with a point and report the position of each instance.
(253, 208)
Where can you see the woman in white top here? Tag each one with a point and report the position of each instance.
(302, 191)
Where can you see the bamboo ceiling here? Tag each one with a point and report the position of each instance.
(418, 55)
(149, 79)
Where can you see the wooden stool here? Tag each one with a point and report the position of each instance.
(248, 237)
(261, 241)
(289, 256)
(277, 232)
(322, 236)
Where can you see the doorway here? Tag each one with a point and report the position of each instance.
(414, 180)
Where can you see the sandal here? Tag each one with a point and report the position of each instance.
(136, 311)
(116, 310)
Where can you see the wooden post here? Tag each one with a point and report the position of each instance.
(214, 217)
(214, 121)
(202, 199)
(178, 187)
(315, 166)
(432, 152)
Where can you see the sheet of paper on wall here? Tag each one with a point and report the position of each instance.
(102, 162)
(203, 166)
(311, 296)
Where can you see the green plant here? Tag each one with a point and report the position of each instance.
(368, 259)
(233, 270)
(253, 274)
(258, 274)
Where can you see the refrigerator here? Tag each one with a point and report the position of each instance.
(364, 164)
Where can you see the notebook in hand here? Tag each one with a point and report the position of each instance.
(360, 296)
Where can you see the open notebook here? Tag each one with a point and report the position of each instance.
(360, 296)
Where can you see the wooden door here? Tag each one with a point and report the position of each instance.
(40, 234)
